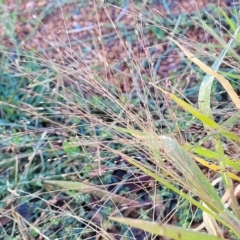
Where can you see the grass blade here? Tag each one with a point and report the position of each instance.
(214, 167)
(204, 96)
(225, 83)
(191, 172)
(212, 155)
(176, 190)
(229, 21)
(222, 163)
(165, 230)
(202, 117)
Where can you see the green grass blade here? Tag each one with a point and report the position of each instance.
(176, 190)
(204, 152)
(226, 177)
(204, 96)
(229, 75)
(191, 172)
(214, 167)
(222, 163)
(200, 116)
(165, 230)
(225, 83)
(229, 21)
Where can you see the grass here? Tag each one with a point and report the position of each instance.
(98, 148)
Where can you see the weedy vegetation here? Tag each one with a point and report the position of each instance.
(130, 132)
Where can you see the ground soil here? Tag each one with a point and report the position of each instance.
(72, 26)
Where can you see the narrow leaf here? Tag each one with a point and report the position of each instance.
(199, 115)
(225, 83)
(191, 172)
(222, 163)
(204, 96)
(165, 230)
(204, 152)
(229, 21)
(214, 167)
(173, 188)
